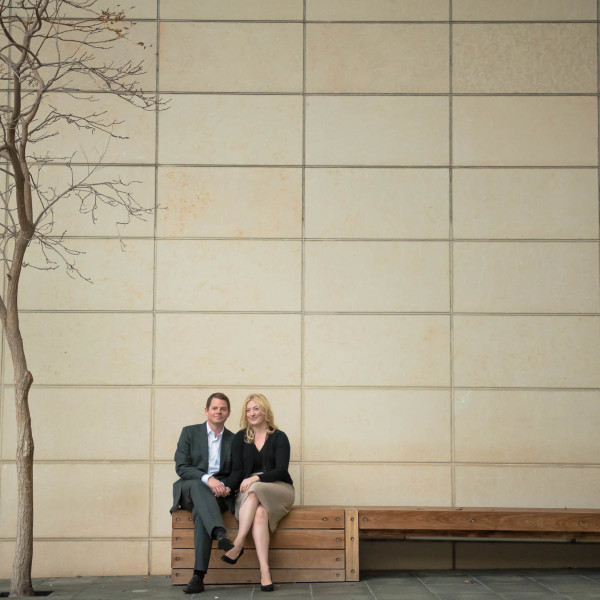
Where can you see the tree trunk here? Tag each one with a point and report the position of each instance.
(21, 573)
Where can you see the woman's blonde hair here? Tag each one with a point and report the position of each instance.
(265, 409)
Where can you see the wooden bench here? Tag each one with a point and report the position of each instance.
(321, 543)
(379, 522)
(312, 543)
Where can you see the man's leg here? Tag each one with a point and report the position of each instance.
(207, 516)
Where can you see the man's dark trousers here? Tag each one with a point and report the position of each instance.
(206, 509)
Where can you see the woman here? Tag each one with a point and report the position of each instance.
(261, 456)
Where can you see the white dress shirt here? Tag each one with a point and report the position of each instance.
(214, 453)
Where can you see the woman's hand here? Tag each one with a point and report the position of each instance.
(248, 482)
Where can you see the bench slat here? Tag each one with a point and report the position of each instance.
(183, 558)
(224, 576)
(398, 534)
(331, 539)
(480, 519)
(301, 517)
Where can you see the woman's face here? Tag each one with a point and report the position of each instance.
(253, 414)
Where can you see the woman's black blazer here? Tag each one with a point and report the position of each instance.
(276, 459)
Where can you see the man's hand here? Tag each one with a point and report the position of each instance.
(217, 488)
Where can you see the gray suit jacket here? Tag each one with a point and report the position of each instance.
(191, 460)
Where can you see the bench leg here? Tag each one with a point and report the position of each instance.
(351, 536)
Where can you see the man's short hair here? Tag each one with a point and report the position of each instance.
(219, 396)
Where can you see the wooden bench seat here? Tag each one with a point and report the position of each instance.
(310, 544)
(321, 543)
(542, 523)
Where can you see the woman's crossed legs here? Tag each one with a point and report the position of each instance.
(253, 515)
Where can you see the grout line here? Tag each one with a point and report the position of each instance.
(303, 267)
(154, 278)
(364, 22)
(366, 584)
(430, 313)
(481, 583)
(168, 386)
(407, 94)
(403, 463)
(326, 240)
(330, 239)
(420, 580)
(376, 388)
(328, 167)
(301, 92)
(451, 262)
(598, 125)
(558, 594)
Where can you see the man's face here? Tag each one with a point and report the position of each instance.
(217, 413)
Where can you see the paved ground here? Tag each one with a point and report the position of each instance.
(576, 584)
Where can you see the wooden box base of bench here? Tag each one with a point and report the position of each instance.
(312, 544)
(320, 543)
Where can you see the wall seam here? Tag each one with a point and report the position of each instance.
(451, 263)
(172, 386)
(329, 239)
(303, 266)
(381, 22)
(153, 375)
(598, 125)
(330, 166)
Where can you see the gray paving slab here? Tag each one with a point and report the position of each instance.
(501, 578)
(546, 595)
(410, 594)
(507, 587)
(474, 591)
(532, 584)
(569, 587)
(391, 588)
(346, 590)
(459, 596)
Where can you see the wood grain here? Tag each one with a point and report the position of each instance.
(183, 558)
(480, 519)
(396, 534)
(331, 539)
(351, 530)
(300, 517)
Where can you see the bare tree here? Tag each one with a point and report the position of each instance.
(55, 63)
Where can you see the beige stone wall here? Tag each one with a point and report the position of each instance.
(383, 219)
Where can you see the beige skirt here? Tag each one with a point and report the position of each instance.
(277, 497)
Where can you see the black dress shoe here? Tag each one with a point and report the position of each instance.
(232, 561)
(223, 542)
(267, 588)
(195, 585)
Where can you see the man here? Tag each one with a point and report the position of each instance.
(203, 463)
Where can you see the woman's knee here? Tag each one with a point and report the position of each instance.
(262, 516)
(250, 501)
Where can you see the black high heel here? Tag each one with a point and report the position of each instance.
(267, 588)
(232, 561)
